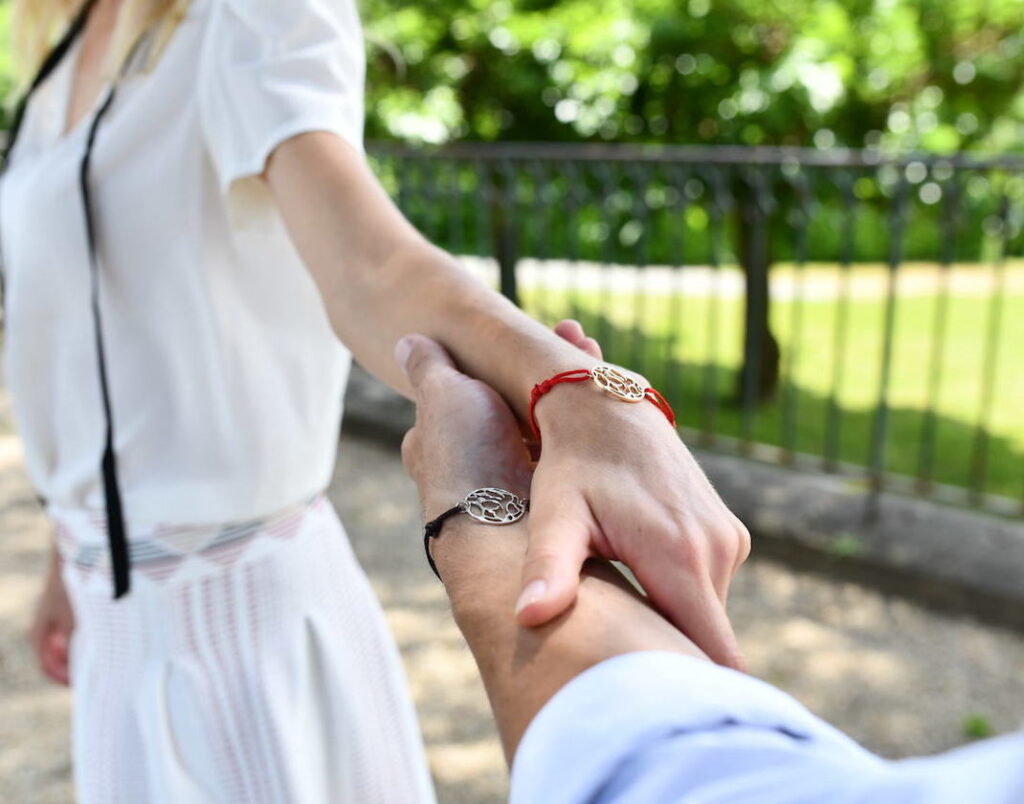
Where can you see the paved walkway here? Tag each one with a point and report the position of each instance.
(812, 282)
(899, 678)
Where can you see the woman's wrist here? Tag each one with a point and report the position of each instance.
(583, 409)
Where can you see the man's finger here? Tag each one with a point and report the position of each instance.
(419, 357)
(559, 534)
(693, 606)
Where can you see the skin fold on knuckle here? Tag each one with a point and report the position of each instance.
(690, 549)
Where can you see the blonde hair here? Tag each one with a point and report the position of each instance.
(37, 24)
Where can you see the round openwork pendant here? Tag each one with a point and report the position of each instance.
(614, 382)
(494, 506)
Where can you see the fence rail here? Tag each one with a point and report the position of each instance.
(840, 310)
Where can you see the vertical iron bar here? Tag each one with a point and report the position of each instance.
(536, 229)
(719, 205)
(754, 241)
(790, 399)
(574, 202)
(503, 228)
(639, 179)
(608, 174)
(839, 335)
(429, 191)
(456, 234)
(482, 214)
(949, 226)
(879, 437)
(990, 360)
(674, 343)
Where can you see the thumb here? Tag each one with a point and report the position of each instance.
(559, 534)
(420, 357)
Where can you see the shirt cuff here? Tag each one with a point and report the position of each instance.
(612, 710)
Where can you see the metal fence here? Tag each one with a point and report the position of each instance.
(835, 310)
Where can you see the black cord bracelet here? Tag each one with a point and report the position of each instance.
(432, 530)
(488, 505)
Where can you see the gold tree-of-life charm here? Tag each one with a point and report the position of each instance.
(494, 506)
(614, 382)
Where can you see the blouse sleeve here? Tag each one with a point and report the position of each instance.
(271, 69)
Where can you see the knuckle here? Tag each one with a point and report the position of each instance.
(744, 540)
(689, 551)
(722, 548)
(409, 442)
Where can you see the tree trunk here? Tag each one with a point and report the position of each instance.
(759, 377)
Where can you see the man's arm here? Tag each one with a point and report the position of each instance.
(523, 667)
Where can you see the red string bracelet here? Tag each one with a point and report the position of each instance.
(610, 380)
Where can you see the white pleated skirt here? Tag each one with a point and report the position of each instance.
(250, 663)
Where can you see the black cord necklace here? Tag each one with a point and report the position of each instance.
(116, 532)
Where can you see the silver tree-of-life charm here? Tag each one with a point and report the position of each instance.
(619, 385)
(495, 506)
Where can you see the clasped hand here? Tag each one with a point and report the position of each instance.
(613, 481)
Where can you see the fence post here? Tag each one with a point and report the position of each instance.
(759, 375)
(503, 230)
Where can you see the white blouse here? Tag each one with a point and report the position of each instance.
(226, 379)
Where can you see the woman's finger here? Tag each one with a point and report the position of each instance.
(52, 655)
(692, 605)
(57, 650)
(571, 330)
(559, 542)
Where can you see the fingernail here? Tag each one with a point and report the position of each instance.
(533, 592)
(402, 350)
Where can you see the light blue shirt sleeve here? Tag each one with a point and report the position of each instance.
(658, 727)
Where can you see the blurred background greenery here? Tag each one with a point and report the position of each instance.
(894, 76)
(938, 75)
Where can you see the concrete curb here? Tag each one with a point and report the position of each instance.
(956, 560)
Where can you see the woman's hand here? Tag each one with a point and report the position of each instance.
(683, 555)
(50, 633)
(614, 480)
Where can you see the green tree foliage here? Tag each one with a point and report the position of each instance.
(939, 75)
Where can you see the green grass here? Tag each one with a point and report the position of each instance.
(976, 727)
(669, 339)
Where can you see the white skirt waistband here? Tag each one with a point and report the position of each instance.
(160, 551)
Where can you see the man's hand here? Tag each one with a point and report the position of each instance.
(465, 436)
(613, 481)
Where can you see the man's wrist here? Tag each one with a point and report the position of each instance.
(472, 558)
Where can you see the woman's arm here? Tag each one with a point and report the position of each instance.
(613, 480)
(381, 279)
(53, 624)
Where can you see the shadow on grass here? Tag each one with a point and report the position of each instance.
(805, 421)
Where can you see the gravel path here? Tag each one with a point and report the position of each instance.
(901, 679)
